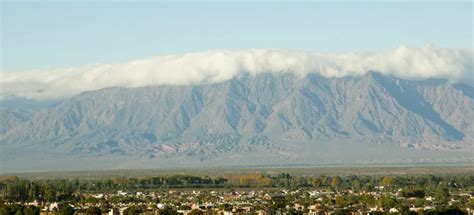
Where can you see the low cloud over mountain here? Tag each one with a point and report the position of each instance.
(455, 65)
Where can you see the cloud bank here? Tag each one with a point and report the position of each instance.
(455, 65)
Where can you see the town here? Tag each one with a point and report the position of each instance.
(241, 194)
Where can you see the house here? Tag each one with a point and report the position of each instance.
(53, 206)
(298, 207)
(413, 209)
(98, 196)
(393, 210)
(121, 193)
(427, 208)
(274, 196)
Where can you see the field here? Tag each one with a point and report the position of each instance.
(380, 170)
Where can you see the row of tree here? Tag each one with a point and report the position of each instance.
(15, 189)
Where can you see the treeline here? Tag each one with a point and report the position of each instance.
(428, 183)
(14, 189)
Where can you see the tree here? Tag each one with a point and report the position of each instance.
(367, 200)
(441, 193)
(346, 200)
(226, 207)
(387, 181)
(65, 209)
(336, 182)
(356, 186)
(387, 202)
(368, 187)
(93, 211)
(316, 182)
(413, 192)
(167, 211)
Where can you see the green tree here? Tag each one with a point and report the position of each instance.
(386, 181)
(386, 202)
(441, 194)
(65, 209)
(356, 185)
(336, 182)
(93, 211)
(31, 210)
(316, 182)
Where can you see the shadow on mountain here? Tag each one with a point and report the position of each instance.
(465, 89)
(409, 97)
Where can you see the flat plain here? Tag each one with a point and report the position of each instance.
(340, 170)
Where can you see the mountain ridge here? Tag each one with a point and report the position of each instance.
(276, 115)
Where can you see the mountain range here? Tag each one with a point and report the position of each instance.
(249, 120)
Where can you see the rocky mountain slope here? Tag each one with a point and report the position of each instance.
(272, 116)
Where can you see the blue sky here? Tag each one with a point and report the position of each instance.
(41, 35)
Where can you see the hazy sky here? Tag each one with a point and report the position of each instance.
(50, 35)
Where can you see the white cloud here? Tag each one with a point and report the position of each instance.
(455, 65)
